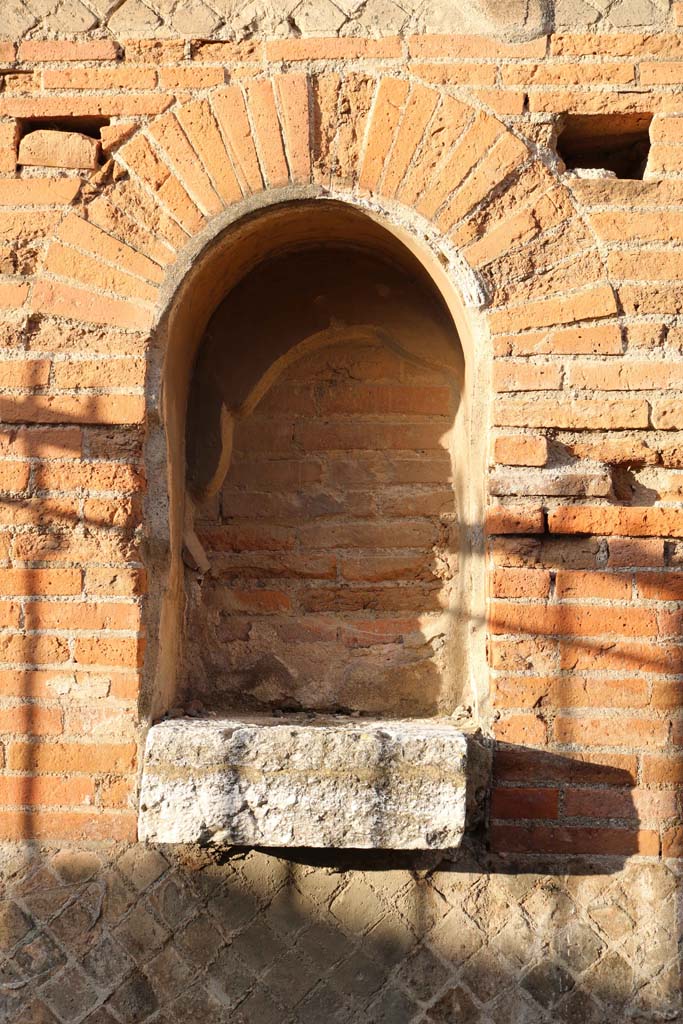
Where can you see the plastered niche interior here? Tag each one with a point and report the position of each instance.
(324, 514)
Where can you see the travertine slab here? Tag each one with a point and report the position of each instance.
(296, 781)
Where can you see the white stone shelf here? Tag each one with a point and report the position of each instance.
(323, 781)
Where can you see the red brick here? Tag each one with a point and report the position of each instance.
(524, 803)
(38, 192)
(14, 476)
(601, 769)
(574, 840)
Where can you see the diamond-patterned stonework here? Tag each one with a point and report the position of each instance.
(137, 934)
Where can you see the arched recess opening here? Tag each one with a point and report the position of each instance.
(324, 434)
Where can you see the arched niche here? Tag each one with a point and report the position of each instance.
(279, 287)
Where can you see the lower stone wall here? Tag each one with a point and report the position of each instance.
(131, 934)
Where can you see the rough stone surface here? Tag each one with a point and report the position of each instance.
(413, 939)
(46, 148)
(332, 783)
(230, 19)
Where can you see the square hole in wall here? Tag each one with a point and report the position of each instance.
(612, 142)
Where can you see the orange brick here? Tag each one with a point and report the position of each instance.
(527, 583)
(12, 296)
(100, 78)
(591, 304)
(526, 377)
(77, 409)
(606, 520)
(335, 48)
(30, 650)
(419, 108)
(518, 450)
(626, 376)
(464, 73)
(612, 731)
(477, 139)
(627, 553)
(231, 114)
(292, 93)
(77, 825)
(66, 50)
(145, 161)
(14, 476)
(76, 231)
(99, 373)
(38, 192)
(41, 581)
(570, 620)
(46, 791)
(202, 131)
(80, 304)
(473, 46)
(20, 373)
(67, 615)
(91, 271)
(639, 804)
(611, 586)
(507, 155)
(571, 691)
(47, 443)
(572, 415)
(113, 104)
(192, 78)
(169, 135)
(525, 730)
(264, 116)
(31, 720)
(89, 758)
(660, 586)
(386, 115)
(514, 519)
(551, 73)
(601, 339)
(124, 653)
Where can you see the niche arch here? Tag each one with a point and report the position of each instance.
(258, 234)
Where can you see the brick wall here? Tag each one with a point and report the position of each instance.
(572, 293)
(581, 319)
